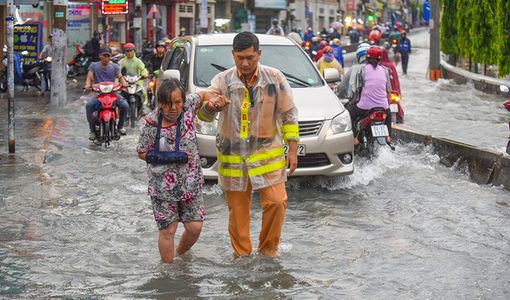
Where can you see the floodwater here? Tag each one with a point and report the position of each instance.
(402, 226)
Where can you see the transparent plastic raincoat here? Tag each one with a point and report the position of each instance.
(253, 128)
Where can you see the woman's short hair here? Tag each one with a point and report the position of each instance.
(165, 89)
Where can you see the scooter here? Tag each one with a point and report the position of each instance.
(80, 63)
(505, 89)
(372, 131)
(397, 112)
(32, 74)
(134, 95)
(107, 115)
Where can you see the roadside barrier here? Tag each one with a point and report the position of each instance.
(484, 166)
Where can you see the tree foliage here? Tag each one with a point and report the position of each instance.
(478, 30)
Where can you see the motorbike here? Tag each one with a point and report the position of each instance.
(505, 89)
(372, 131)
(151, 90)
(134, 95)
(397, 112)
(24, 73)
(107, 115)
(80, 63)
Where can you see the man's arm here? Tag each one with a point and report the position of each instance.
(89, 80)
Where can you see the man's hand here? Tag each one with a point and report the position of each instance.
(217, 104)
(292, 156)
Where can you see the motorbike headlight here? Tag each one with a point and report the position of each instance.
(106, 88)
(340, 123)
(206, 128)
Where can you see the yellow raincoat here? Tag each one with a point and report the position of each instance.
(253, 128)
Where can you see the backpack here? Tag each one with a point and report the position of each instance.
(88, 48)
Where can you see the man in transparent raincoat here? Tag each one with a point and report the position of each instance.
(252, 131)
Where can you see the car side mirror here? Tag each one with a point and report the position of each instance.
(331, 75)
(504, 89)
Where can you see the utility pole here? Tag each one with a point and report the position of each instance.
(434, 58)
(58, 66)
(137, 26)
(10, 73)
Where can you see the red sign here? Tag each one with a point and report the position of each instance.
(350, 5)
(114, 7)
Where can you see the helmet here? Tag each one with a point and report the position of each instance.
(336, 42)
(315, 39)
(362, 49)
(161, 43)
(323, 44)
(375, 36)
(129, 46)
(328, 49)
(507, 104)
(374, 52)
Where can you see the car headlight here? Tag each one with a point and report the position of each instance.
(340, 123)
(206, 128)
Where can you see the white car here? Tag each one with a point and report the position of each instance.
(326, 139)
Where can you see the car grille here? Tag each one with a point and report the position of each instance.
(313, 160)
(310, 128)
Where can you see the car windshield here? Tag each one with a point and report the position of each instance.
(290, 60)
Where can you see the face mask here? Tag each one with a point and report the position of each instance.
(328, 57)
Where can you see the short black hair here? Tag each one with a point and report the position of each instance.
(165, 89)
(245, 40)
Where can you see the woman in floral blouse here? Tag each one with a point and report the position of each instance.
(175, 189)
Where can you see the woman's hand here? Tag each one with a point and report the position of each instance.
(217, 104)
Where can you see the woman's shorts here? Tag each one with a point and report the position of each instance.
(167, 212)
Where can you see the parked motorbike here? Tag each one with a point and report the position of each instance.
(32, 74)
(107, 115)
(505, 89)
(134, 95)
(397, 112)
(372, 131)
(80, 63)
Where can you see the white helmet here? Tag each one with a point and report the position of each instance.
(361, 51)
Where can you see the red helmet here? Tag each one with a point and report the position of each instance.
(129, 46)
(507, 104)
(328, 49)
(323, 44)
(374, 52)
(374, 36)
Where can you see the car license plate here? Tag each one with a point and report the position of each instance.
(301, 149)
(379, 130)
(394, 107)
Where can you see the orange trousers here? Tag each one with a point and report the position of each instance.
(273, 201)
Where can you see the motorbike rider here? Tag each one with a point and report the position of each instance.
(349, 87)
(309, 35)
(132, 65)
(275, 29)
(320, 52)
(328, 60)
(338, 51)
(46, 52)
(156, 58)
(103, 71)
(405, 50)
(375, 91)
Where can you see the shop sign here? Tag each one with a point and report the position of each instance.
(114, 7)
(274, 4)
(28, 37)
(350, 5)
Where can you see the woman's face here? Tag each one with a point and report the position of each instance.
(176, 105)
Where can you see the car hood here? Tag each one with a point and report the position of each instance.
(316, 103)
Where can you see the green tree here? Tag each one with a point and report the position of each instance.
(465, 11)
(503, 37)
(482, 30)
(449, 28)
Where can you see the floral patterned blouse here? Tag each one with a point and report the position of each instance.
(174, 182)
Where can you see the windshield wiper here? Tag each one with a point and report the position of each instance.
(220, 68)
(296, 80)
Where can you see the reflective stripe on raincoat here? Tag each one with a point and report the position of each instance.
(253, 128)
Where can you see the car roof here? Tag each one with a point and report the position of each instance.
(228, 38)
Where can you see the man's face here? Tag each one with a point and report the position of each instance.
(105, 58)
(247, 60)
(161, 50)
(130, 53)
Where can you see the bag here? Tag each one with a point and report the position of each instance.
(157, 157)
(88, 48)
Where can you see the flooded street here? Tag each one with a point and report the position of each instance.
(403, 226)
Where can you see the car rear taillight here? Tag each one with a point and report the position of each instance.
(378, 116)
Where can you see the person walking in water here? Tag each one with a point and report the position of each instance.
(252, 131)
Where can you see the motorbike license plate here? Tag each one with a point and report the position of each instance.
(301, 149)
(379, 130)
(394, 107)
